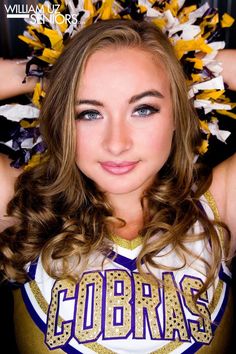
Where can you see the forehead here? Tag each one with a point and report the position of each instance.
(119, 68)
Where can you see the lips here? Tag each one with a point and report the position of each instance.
(118, 168)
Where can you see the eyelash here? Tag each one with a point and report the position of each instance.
(151, 109)
(82, 115)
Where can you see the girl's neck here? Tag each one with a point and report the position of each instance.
(130, 231)
(128, 208)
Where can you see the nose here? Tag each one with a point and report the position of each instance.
(117, 137)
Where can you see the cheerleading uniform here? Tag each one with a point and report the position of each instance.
(114, 309)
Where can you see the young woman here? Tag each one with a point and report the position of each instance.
(119, 237)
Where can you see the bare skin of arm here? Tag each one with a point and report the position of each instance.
(8, 176)
(223, 189)
(228, 59)
(12, 73)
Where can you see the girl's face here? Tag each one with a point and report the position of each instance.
(124, 119)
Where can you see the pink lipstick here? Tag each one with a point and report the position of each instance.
(118, 168)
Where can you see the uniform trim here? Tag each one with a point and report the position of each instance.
(212, 204)
(128, 244)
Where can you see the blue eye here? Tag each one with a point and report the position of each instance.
(88, 115)
(145, 111)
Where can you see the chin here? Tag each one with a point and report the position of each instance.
(117, 188)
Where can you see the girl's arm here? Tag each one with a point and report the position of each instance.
(223, 189)
(12, 73)
(8, 176)
(228, 59)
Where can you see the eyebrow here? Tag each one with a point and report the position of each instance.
(133, 99)
(152, 93)
(92, 102)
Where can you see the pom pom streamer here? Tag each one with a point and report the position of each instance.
(192, 30)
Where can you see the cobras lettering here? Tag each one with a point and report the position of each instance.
(115, 304)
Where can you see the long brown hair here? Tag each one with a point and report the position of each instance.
(60, 213)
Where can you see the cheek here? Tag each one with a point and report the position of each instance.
(160, 139)
(85, 143)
